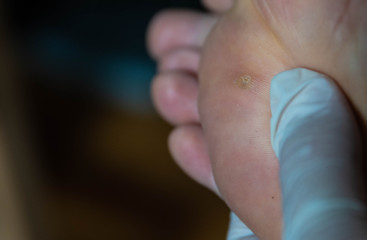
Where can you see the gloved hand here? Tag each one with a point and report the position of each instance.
(238, 230)
(316, 139)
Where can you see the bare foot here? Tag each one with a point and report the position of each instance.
(251, 43)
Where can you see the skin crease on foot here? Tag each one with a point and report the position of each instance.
(221, 107)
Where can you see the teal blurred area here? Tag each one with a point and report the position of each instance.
(88, 47)
(103, 166)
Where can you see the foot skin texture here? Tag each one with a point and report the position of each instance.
(214, 80)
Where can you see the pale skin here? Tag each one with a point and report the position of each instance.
(222, 134)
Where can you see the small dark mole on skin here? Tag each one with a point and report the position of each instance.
(272, 197)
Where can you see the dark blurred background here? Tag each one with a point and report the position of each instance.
(102, 163)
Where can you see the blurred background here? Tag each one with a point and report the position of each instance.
(83, 155)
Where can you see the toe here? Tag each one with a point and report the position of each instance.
(175, 96)
(218, 5)
(178, 28)
(188, 148)
(184, 59)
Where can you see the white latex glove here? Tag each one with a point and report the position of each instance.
(316, 139)
(238, 230)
